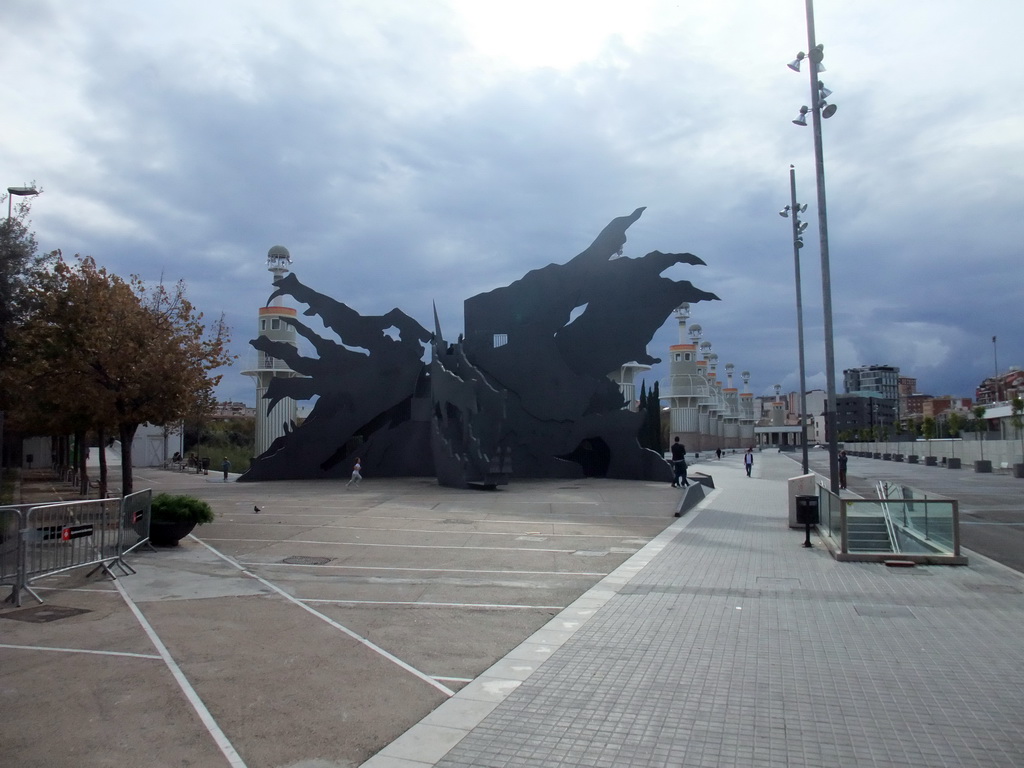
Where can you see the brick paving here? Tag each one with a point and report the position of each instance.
(725, 643)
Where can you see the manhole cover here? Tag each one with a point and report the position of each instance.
(303, 560)
(41, 614)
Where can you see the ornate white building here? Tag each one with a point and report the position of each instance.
(704, 412)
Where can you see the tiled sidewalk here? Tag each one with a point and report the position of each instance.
(725, 643)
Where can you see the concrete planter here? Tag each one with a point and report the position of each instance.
(876, 455)
(886, 457)
(167, 533)
(953, 463)
(912, 458)
(1018, 470)
(983, 466)
(929, 461)
(897, 457)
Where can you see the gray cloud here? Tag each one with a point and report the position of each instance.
(402, 166)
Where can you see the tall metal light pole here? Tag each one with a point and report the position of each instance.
(11, 193)
(20, 192)
(819, 108)
(796, 209)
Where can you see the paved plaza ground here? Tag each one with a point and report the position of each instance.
(549, 624)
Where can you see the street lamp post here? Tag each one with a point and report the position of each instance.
(796, 209)
(820, 108)
(12, 192)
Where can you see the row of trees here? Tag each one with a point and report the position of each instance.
(650, 434)
(84, 351)
(931, 428)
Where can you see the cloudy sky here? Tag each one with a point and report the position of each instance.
(409, 152)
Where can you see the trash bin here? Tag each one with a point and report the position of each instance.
(807, 510)
(204, 464)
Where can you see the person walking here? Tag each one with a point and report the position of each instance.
(356, 474)
(225, 465)
(678, 465)
(718, 453)
(748, 460)
(842, 469)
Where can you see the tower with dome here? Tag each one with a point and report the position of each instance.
(273, 322)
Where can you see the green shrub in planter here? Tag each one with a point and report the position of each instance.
(181, 509)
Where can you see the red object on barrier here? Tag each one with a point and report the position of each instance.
(76, 532)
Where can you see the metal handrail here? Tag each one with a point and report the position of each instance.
(883, 497)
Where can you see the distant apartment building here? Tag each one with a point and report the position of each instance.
(859, 411)
(934, 407)
(907, 387)
(232, 410)
(913, 405)
(1002, 388)
(880, 380)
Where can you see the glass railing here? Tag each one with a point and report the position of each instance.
(903, 520)
(927, 518)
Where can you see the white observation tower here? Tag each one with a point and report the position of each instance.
(273, 323)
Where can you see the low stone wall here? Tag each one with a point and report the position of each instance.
(1002, 453)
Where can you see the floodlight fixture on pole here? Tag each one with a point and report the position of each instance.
(12, 192)
(818, 109)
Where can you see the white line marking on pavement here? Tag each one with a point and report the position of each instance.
(354, 513)
(80, 650)
(454, 679)
(432, 605)
(551, 636)
(393, 546)
(355, 636)
(586, 574)
(464, 532)
(222, 741)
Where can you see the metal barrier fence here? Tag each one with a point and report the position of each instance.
(11, 523)
(53, 538)
(135, 516)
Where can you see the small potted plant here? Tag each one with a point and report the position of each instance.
(174, 516)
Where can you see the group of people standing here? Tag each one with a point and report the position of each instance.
(679, 479)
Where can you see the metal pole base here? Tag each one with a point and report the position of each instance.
(807, 539)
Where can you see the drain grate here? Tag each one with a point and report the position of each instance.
(304, 560)
(43, 614)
